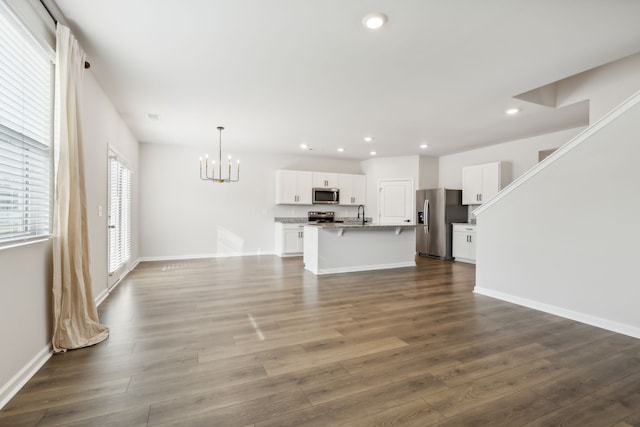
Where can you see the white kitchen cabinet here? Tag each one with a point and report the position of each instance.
(325, 180)
(481, 182)
(289, 239)
(293, 187)
(464, 242)
(353, 189)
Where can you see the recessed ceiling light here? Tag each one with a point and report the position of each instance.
(368, 138)
(424, 145)
(373, 153)
(373, 21)
(341, 149)
(304, 146)
(512, 111)
(153, 117)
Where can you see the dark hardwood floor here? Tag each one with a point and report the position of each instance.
(259, 341)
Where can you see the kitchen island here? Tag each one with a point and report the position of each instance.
(341, 248)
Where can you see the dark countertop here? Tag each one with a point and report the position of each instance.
(305, 220)
(358, 225)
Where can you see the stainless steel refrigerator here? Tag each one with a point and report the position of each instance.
(437, 209)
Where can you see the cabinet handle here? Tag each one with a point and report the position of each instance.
(480, 197)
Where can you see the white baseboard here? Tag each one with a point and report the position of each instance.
(103, 296)
(599, 322)
(365, 268)
(201, 256)
(13, 386)
(105, 293)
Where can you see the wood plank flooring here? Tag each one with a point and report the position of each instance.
(258, 341)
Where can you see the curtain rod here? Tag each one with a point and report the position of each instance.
(55, 21)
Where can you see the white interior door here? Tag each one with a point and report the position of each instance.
(119, 221)
(396, 202)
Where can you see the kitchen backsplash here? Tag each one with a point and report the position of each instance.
(303, 220)
(301, 211)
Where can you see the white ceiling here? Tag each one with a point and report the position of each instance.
(277, 73)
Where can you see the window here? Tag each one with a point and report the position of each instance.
(26, 83)
(119, 214)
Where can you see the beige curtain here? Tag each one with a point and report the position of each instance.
(75, 318)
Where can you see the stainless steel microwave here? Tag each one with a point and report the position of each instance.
(326, 196)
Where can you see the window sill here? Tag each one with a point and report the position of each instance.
(9, 244)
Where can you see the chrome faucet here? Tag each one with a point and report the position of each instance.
(363, 220)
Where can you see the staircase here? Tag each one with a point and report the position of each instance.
(564, 238)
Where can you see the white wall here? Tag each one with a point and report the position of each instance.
(521, 155)
(25, 307)
(566, 239)
(428, 172)
(387, 168)
(103, 127)
(604, 87)
(25, 303)
(186, 217)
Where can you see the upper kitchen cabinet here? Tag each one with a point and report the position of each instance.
(325, 180)
(353, 189)
(293, 187)
(481, 182)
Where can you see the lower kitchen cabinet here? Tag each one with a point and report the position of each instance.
(464, 242)
(289, 239)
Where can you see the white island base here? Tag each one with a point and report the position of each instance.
(330, 249)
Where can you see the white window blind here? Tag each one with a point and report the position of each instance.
(26, 86)
(119, 214)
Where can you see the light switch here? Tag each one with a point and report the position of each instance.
(99, 210)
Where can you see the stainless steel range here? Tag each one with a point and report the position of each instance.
(318, 217)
